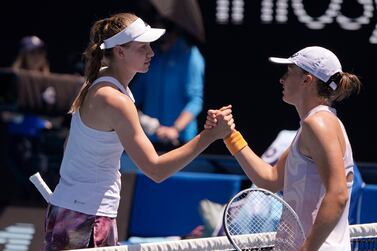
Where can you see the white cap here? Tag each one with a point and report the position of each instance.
(137, 31)
(319, 61)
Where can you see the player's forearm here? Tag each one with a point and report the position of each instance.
(329, 213)
(259, 172)
(175, 160)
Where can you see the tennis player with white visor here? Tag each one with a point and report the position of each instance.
(83, 207)
(316, 171)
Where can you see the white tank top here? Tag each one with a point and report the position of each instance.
(89, 173)
(304, 191)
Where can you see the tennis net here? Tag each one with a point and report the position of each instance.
(363, 237)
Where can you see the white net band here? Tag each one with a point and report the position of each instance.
(357, 232)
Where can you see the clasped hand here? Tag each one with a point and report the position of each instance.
(221, 121)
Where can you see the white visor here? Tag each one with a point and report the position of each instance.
(137, 31)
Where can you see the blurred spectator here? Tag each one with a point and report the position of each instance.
(32, 55)
(24, 140)
(170, 95)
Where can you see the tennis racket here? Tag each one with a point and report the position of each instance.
(257, 219)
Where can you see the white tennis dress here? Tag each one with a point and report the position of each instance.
(304, 191)
(89, 174)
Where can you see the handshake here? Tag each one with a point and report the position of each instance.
(221, 119)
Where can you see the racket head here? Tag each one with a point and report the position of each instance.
(254, 211)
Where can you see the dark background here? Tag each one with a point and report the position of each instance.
(237, 72)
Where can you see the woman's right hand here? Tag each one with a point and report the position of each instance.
(220, 122)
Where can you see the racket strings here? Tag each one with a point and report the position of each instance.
(287, 237)
(256, 211)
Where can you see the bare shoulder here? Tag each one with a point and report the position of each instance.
(320, 122)
(110, 105)
(110, 97)
(319, 131)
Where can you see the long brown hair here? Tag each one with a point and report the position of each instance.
(93, 55)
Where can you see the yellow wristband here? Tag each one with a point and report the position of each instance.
(235, 142)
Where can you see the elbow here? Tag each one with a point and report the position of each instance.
(155, 175)
(271, 183)
(340, 199)
(157, 178)
(268, 185)
(272, 188)
(343, 199)
(151, 169)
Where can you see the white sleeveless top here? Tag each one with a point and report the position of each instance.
(304, 191)
(89, 174)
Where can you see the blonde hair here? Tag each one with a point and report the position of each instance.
(93, 55)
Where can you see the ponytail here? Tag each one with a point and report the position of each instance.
(93, 58)
(93, 54)
(347, 83)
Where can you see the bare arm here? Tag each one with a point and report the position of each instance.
(323, 141)
(124, 119)
(260, 172)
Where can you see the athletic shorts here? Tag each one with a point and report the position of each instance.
(68, 229)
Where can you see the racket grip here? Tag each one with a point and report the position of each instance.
(42, 187)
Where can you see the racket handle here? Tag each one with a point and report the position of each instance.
(42, 187)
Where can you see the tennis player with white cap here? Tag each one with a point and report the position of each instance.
(316, 171)
(320, 62)
(105, 122)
